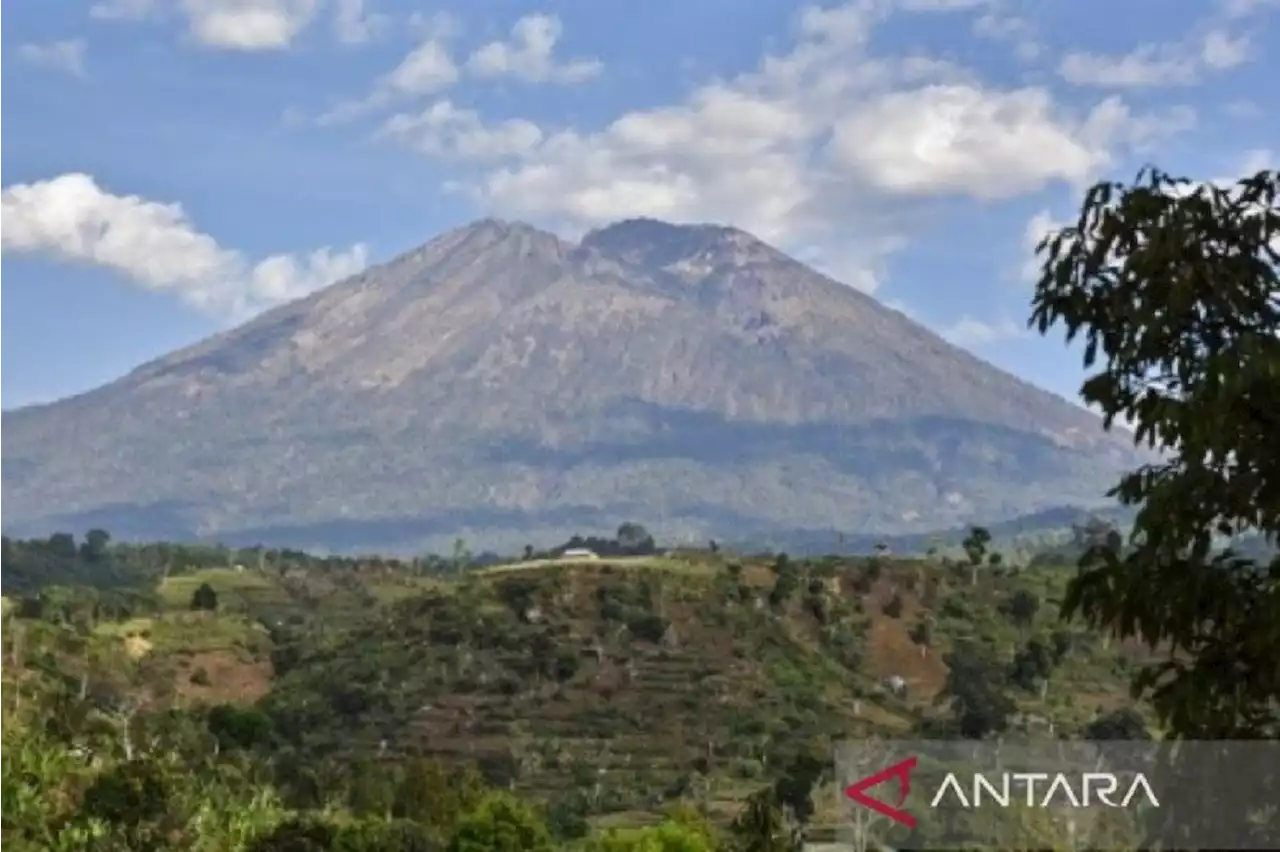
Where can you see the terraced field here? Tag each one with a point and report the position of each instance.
(630, 682)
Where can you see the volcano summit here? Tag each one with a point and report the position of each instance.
(503, 384)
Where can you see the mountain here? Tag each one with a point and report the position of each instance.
(505, 385)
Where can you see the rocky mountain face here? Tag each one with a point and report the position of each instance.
(504, 385)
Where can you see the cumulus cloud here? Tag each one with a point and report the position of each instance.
(239, 25)
(529, 55)
(1148, 65)
(123, 10)
(429, 69)
(426, 69)
(65, 56)
(248, 25)
(354, 24)
(823, 144)
(155, 245)
(1039, 226)
(965, 139)
(1244, 8)
(1151, 65)
(1220, 50)
(445, 130)
(970, 332)
(1011, 29)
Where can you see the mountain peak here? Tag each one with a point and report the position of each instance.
(502, 380)
(654, 243)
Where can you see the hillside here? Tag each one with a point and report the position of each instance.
(501, 382)
(603, 691)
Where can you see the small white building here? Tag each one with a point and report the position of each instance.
(579, 553)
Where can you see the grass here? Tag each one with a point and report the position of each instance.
(236, 589)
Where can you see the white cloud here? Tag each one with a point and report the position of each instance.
(966, 140)
(238, 25)
(823, 145)
(941, 5)
(529, 55)
(1220, 51)
(1243, 109)
(1015, 30)
(153, 244)
(1150, 65)
(66, 56)
(427, 69)
(123, 10)
(354, 24)
(1039, 226)
(968, 331)
(1257, 160)
(248, 25)
(1244, 8)
(444, 129)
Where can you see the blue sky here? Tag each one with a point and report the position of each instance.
(173, 166)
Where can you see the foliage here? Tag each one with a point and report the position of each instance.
(204, 598)
(1123, 724)
(974, 686)
(395, 704)
(501, 823)
(1175, 291)
(1021, 607)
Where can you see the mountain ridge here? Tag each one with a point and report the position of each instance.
(504, 380)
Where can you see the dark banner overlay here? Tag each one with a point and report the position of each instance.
(1052, 794)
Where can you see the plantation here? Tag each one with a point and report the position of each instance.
(599, 694)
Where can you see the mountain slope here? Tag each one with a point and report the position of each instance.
(502, 381)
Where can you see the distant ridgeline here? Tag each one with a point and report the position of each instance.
(1048, 530)
(28, 565)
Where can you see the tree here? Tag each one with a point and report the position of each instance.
(501, 823)
(1123, 724)
(762, 826)
(794, 788)
(1021, 607)
(1031, 667)
(788, 580)
(978, 703)
(62, 546)
(1174, 289)
(130, 795)
(975, 549)
(634, 538)
(922, 634)
(204, 598)
(667, 836)
(94, 547)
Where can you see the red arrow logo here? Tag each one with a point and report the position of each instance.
(901, 771)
